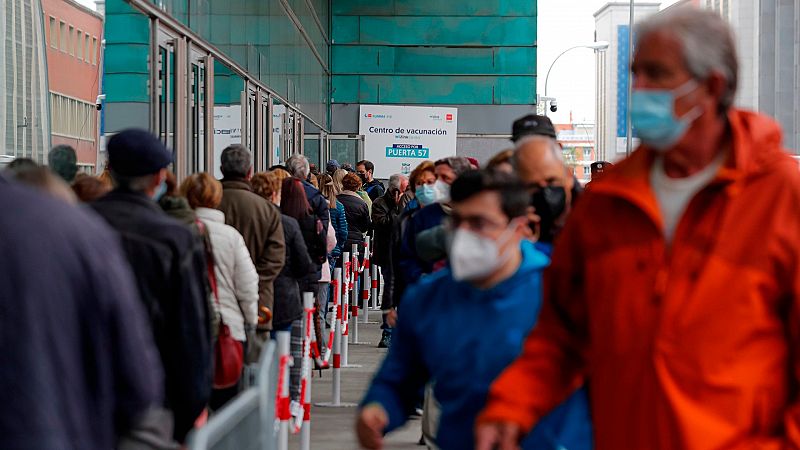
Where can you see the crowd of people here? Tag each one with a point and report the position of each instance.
(657, 308)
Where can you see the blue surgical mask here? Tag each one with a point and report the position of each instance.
(426, 194)
(160, 191)
(653, 115)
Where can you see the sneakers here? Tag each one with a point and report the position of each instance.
(386, 340)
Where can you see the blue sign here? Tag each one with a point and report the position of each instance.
(407, 151)
(623, 71)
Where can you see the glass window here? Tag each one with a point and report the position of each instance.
(80, 45)
(86, 47)
(53, 33)
(587, 170)
(94, 51)
(62, 36)
(71, 41)
(587, 152)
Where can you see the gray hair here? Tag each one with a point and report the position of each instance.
(553, 145)
(235, 161)
(396, 180)
(459, 164)
(298, 166)
(706, 40)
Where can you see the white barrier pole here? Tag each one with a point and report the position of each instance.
(375, 280)
(283, 413)
(305, 389)
(337, 340)
(356, 292)
(366, 278)
(346, 263)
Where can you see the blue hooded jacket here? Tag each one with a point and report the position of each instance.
(463, 338)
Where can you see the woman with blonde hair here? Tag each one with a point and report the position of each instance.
(234, 272)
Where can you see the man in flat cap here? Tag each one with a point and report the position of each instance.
(170, 269)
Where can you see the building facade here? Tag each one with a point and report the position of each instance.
(74, 59)
(24, 102)
(613, 76)
(476, 55)
(577, 143)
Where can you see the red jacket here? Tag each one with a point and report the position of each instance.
(692, 346)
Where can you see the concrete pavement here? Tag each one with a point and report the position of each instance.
(333, 428)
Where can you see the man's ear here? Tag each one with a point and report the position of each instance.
(249, 173)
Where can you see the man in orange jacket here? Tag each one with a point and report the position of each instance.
(674, 286)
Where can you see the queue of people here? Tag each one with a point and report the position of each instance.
(656, 309)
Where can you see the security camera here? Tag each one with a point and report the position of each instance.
(98, 103)
(553, 106)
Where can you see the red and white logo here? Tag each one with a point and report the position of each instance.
(449, 117)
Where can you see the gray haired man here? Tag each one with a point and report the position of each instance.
(386, 212)
(259, 222)
(298, 167)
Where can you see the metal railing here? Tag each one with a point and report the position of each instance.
(248, 421)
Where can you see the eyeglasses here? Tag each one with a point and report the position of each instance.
(476, 224)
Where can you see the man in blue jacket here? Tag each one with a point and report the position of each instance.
(461, 326)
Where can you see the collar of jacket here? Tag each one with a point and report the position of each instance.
(237, 183)
(755, 140)
(212, 215)
(351, 194)
(139, 198)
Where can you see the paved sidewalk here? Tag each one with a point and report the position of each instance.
(333, 428)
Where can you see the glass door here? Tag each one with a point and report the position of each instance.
(165, 90)
(198, 93)
(346, 148)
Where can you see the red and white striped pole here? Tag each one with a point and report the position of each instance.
(347, 264)
(356, 272)
(365, 284)
(375, 280)
(282, 410)
(305, 381)
(337, 340)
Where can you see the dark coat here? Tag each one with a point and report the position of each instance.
(259, 221)
(319, 204)
(77, 358)
(386, 224)
(339, 222)
(170, 268)
(358, 221)
(288, 304)
(374, 189)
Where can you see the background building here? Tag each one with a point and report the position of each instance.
(577, 141)
(24, 115)
(612, 25)
(476, 55)
(74, 58)
(284, 77)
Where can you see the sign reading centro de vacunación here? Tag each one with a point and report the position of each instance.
(398, 138)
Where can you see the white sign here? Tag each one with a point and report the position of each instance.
(398, 138)
(227, 131)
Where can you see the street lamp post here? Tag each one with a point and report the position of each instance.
(596, 46)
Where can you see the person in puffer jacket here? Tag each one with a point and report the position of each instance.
(235, 273)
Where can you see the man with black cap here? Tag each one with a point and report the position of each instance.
(539, 162)
(170, 270)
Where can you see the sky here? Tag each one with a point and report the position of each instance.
(562, 24)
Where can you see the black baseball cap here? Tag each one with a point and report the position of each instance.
(136, 152)
(532, 124)
(600, 166)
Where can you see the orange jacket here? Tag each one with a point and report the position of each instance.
(693, 346)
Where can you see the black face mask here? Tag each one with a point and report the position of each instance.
(363, 177)
(550, 203)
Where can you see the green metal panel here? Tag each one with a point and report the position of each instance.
(465, 90)
(432, 30)
(126, 87)
(507, 8)
(367, 59)
(257, 34)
